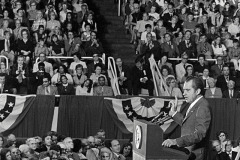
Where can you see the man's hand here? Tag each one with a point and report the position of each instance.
(169, 142)
(173, 105)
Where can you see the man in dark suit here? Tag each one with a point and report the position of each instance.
(5, 84)
(216, 69)
(168, 16)
(142, 77)
(222, 80)
(115, 148)
(188, 46)
(232, 154)
(151, 47)
(195, 123)
(231, 92)
(169, 47)
(93, 46)
(46, 88)
(7, 47)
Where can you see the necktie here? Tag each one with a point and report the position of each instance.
(227, 79)
(47, 91)
(7, 45)
(231, 93)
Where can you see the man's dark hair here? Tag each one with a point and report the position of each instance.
(148, 26)
(48, 77)
(41, 64)
(201, 55)
(101, 77)
(225, 66)
(196, 83)
(98, 65)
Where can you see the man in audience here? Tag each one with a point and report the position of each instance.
(203, 47)
(180, 68)
(46, 88)
(124, 77)
(115, 148)
(48, 66)
(93, 46)
(188, 46)
(167, 15)
(102, 89)
(216, 69)
(232, 154)
(217, 153)
(231, 92)
(169, 46)
(5, 85)
(90, 65)
(68, 142)
(142, 77)
(72, 44)
(223, 80)
(15, 153)
(200, 66)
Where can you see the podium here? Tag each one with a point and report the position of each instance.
(148, 138)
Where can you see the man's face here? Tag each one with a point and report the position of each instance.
(219, 61)
(217, 146)
(20, 61)
(45, 82)
(149, 37)
(32, 144)
(201, 60)
(225, 71)
(119, 62)
(2, 80)
(42, 57)
(69, 143)
(187, 35)
(145, 17)
(91, 142)
(15, 154)
(101, 81)
(189, 93)
(167, 38)
(93, 36)
(170, 8)
(115, 146)
(95, 57)
(205, 72)
(231, 85)
(190, 17)
(184, 59)
(228, 146)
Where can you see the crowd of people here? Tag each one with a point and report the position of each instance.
(57, 146)
(204, 30)
(224, 148)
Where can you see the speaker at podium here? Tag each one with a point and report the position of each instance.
(148, 138)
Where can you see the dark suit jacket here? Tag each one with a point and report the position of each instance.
(215, 71)
(93, 49)
(236, 94)
(137, 74)
(2, 45)
(221, 156)
(41, 90)
(172, 49)
(194, 126)
(234, 154)
(191, 51)
(155, 50)
(166, 18)
(221, 82)
(69, 90)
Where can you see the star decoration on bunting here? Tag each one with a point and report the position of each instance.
(127, 108)
(146, 102)
(130, 113)
(10, 104)
(1, 116)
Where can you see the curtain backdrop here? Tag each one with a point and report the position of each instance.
(38, 120)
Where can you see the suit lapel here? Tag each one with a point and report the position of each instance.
(192, 110)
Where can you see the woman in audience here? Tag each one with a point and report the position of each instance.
(58, 32)
(22, 18)
(164, 61)
(179, 38)
(98, 72)
(86, 35)
(6, 17)
(174, 27)
(105, 154)
(62, 70)
(52, 23)
(56, 47)
(65, 88)
(85, 88)
(189, 72)
(40, 33)
(219, 48)
(222, 137)
(126, 151)
(4, 28)
(45, 146)
(6, 154)
(90, 20)
(173, 90)
(213, 91)
(79, 78)
(39, 21)
(41, 48)
(25, 46)
(3, 68)
(70, 19)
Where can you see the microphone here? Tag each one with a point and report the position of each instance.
(157, 117)
(163, 120)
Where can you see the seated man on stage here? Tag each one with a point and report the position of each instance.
(195, 123)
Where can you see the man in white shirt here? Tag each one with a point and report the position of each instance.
(195, 123)
(48, 66)
(115, 148)
(180, 68)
